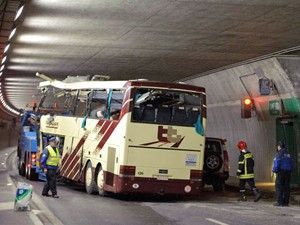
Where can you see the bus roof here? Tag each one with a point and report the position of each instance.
(83, 85)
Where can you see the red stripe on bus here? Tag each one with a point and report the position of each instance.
(71, 165)
(76, 177)
(100, 122)
(74, 152)
(75, 168)
(104, 127)
(70, 158)
(106, 135)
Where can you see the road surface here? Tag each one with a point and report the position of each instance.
(76, 207)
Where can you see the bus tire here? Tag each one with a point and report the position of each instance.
(21, 167)
(89, 179)
(100, 182)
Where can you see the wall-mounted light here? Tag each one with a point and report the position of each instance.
(6, 48)
(19, 12)
(1, 75)
(12, 33)
(4, 59)
(2, 68)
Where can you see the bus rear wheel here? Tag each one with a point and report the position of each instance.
(89, 179)
(100, 182)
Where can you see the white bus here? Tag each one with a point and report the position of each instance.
(128, 136)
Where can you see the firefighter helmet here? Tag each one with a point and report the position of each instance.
(242, 145)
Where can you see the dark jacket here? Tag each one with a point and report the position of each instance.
(282, 161)
(246, 166)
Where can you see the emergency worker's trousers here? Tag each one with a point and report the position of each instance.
(51, 182)
(282, 186)
(250, 182)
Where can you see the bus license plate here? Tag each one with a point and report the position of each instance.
(162, 177)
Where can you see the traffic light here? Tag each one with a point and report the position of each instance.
(246, 107)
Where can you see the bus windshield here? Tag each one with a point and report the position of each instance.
(166, 107)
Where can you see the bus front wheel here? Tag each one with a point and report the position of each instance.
(90, 184)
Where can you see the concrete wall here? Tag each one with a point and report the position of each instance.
(8, 134)
(225, 89)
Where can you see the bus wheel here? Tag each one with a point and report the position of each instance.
(100, 182)
(89, 179)
(21, 167)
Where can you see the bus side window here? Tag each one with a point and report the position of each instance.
(98, 110)
(116, 104)
(80, 108)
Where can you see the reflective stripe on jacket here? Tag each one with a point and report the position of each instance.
(53, 157)
(246, 166)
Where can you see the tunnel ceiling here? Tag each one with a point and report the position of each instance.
(127, 39)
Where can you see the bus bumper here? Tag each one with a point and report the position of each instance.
(155, 186)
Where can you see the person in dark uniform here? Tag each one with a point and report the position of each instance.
(245, 172)
(50, 161)
(283, 166)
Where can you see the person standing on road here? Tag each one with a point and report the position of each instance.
(50, 161)
(283, 166)
(245, 172)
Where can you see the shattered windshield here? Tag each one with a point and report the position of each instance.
(166, 107)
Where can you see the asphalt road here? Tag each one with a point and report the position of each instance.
(76, 207)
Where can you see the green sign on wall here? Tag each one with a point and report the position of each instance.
(275, 107)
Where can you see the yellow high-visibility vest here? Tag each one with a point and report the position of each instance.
(53, 157)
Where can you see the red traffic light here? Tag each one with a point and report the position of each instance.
(247, 101)
(246, 107)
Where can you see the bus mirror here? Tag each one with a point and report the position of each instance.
(83, 124)
(199, 126)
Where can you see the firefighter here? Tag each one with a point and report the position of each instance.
(245, 172)
(283, 166)
(50, 161)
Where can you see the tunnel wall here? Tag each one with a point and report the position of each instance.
(8, 134)
(225, 89)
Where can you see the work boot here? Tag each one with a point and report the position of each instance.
(257, 195)
(46, 195)
(242, 197)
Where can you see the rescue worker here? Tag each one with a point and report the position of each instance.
(50, 161)
(245, 172)
(283, 166)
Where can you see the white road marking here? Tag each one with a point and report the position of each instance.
(216, 221)
(2, 163)
(45, 210)
(9, 184)
(35, 219)
(6, 206)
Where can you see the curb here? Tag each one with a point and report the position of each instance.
(41, 212)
